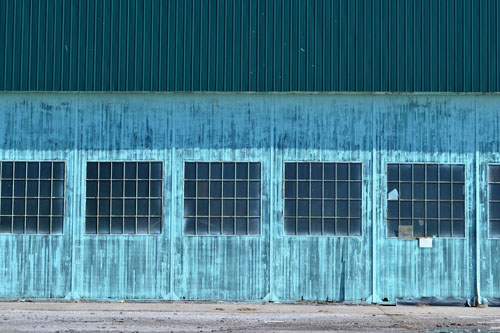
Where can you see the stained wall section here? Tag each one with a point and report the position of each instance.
(272, 129)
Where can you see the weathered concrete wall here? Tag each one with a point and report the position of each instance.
(273, 129)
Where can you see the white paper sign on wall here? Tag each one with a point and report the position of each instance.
(425, 242)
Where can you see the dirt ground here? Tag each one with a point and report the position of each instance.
(240, 317)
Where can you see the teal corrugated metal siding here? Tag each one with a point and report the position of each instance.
(250, 45)
(273, 129)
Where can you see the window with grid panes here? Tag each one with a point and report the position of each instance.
(322, 198)
(429, 197)
(222, 198)
(494, 200)
(32, 197)
(124, 198)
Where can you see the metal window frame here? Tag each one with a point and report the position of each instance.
(209, 179)
(323, 162)
(451, 182)
(25, 197)
(110, 198)
(489, 200)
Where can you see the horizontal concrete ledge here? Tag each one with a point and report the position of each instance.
(245, 307)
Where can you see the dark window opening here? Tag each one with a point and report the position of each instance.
(322, 199)
(32, 197)
(428, 197)
(222, 198)
(124, 198)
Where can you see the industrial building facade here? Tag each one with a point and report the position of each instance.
(162, 191)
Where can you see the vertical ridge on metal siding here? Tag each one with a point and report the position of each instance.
(249, 45)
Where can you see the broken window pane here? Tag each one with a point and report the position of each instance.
(431, 200)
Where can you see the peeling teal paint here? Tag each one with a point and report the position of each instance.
(272, 128)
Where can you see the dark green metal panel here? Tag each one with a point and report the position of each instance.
(249, 45)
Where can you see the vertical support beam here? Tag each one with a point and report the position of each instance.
(477, 215)
(77, 173)
(271, 297)
(374, 169)
(171, 214)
